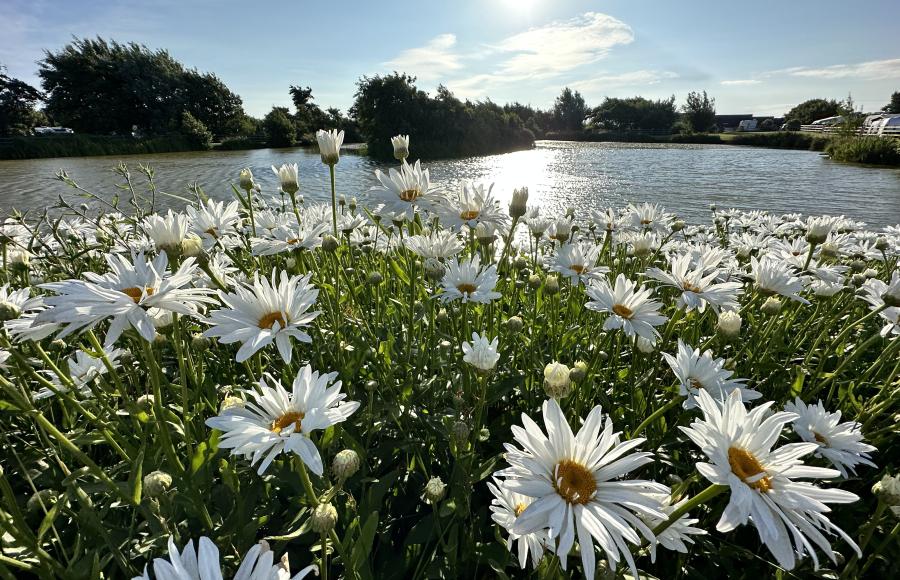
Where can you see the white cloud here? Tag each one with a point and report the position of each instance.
(869, 70)
(741, 82)
(628, 79)
(429, 62)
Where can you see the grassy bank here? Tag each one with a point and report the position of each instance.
(86, 145)
(775, 139)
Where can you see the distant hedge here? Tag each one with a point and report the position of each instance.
(42, 146)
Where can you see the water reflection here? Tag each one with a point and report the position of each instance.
(684, 178)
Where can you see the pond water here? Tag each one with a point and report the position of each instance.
(684, 178)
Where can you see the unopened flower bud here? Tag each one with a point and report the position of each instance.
(375, 278)
(534, 281)
(371, 385)
(772, 305)
(330, 243)
(644, 345)
(882, 244)
(729, 324)
(345, 464)
(521, 262)
(829, 250)
(231, 402)
(888, 490)
(191, 247)
(519, 203)
(677, 225)
(323, 518)
(9, 311)
(144, 402)
(353, 203)
(58, 345)
(459, 432)
(857, 265)
(557, 383)
(199, 343)
(551, 286)
(246, 179)
(858, 279)
(578, 372)
(157, 483)
(871, 273)
(514, 324)
(435, 490)
(442, 317)
(434, 269)
(43, 499)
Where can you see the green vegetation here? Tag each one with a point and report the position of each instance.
(18, 113)
(894, 105)
(440, 126)
(865, 149)
(699, 112)
(813, 110)
(635, 115)
(35, 147)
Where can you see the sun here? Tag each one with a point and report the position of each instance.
(523, 6)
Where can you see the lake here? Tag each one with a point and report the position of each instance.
(684, 178)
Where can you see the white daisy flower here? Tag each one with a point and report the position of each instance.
(649, 217)
(126, 294)
(789, 515)
(404, 193)
(578, 262)
(574, 480)
(275, 421)
(481, 353)
(441, 244)
(471, 206)
(698, 288)
(330, 145)
(264, 312)
(678, 534)
(167, 232)
(84, 369)
(629, 306)
(698, 372)
(775, 277)
(288, 180)
(469, 282)
(840, 443)
(506, 507)
(257, 564)
(214, 219)
(288, 238)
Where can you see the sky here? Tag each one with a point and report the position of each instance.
(759, 57)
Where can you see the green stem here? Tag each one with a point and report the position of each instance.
(699, 499)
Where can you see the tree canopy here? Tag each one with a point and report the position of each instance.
(96, 86)
(570, 110)
(813, 110)
(635, 114)
(894, 105)
(18, 100)
(699, 111)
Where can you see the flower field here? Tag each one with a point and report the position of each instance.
(411, 382)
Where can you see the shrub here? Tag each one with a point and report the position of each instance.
(195, 131)
(871, 150)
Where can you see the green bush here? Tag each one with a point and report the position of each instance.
(35, 147)
(871, 150)
(279, 128)
(782, 140)
(195, 131)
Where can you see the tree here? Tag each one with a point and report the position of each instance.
(894, 105)
(279, 128)
(195, 131)
(18, 114)
(635, 114)
(813, 110)
(95, 86)
(570, 110)
(700, 111)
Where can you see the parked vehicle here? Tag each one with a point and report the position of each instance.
(53, 131)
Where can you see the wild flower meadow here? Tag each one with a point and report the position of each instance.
(423, 383)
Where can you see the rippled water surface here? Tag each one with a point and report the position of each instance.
(684, 178)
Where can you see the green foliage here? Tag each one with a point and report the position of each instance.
(865, 149)
(635, 114)
(439, 126)
(101, 87)
(781, 140)
(894, 105)
(699, 111)
(18, 114)
(80, 145)
(195, 131)
(793, 125)
(813, 110)
(569, 111)
(279, 128)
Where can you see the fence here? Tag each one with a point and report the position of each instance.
(890, 131)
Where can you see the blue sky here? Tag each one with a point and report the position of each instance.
(754, 57)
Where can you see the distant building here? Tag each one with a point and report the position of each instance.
(726, 123)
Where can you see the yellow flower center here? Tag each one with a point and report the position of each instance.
(213, 232)
(623, 310)
(469, 215)
(820, 438)
(466, 288)
(578, 268)
(745, 465)
(292, 241)
(646, 222)
(409, 195)
(269, 320)
(136, 293)
(520, 507)
(574, 482)
(696, 384)
(294, 418)
(688, 287)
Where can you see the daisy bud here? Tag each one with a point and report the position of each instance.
(712, 207)
(729, 324)
(604, 356)
(330, 146)
(191, 247)
(401, 147)
(9, 311)
(445, 345)
(418, 308)
(435, 490)
(246, 179)
(345, 464)
(442, 316)
(352, 204)
(644, 345)
(519, 284)
(199, 343)
(870, 273)
(534, 281)
(514, 324)
(371, 385)
(330, 243)
(858, 279)
(375, 278)
(857, 265)
(578, 372)
(888, 490)
(772, 305)
(557, 383)
(459, 433)
(519, 203)
(157, 483)
(323, 518)
(677, 225)
(144, 402)
(521, 263)
(434, 269)
(552, 285)
(58, 345)
(41, 500)
(484, 434)
(829, 250)
(231, 402)
(882, 244)
(342, 200)
(818, 230)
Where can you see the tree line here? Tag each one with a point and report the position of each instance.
(100, 87)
